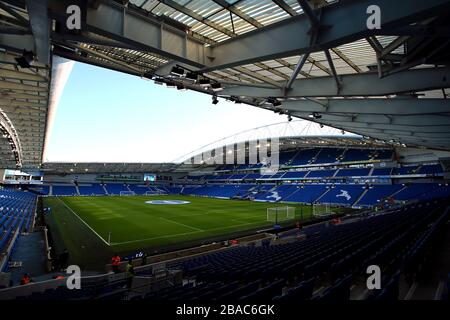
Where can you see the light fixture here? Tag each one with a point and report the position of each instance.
(177, 71)
(274, 101)
(215, 100)
(159, 81)
(26, 59)
(216, 86)
(170, 84)
(192, 76)
(148, 76)
(204, 82)
(315, 115)
(289, 118)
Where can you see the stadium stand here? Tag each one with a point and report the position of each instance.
(352, 172)
(327, 155)
(381, 171)
(375, 194)
(93, 189)
(17, 209)
(342, 194)
(115, 188)
(332, 257)
(64, 190)
(321, 173)
(338, 253)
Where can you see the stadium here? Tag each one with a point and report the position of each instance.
(357, 210)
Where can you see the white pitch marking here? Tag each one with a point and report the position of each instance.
(439, 290)
(182, 224)
(411, 291)
(159, 237)
(181, 234)
(106, 242)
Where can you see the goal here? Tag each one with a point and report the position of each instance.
(152, 193)
(278, 214)
(321, 210)
(127, 193)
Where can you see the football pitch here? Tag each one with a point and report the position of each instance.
(92, 228)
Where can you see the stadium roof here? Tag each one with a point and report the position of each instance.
(188, 165)
(313, 59)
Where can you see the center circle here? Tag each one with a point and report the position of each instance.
(167, 202)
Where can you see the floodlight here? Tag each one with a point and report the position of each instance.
(26, 59)
(192, 76)
(315, 115)
(204, 82)
(177, 71)
(215, 100)
(274, 101)
(170, 84)
(216, 86)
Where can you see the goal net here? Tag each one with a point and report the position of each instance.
(152, 193)
(321, 210)
(127, 193)
(278, 214)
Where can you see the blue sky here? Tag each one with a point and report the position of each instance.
(108, 116)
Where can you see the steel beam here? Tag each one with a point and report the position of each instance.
(396, 106)
(290, 36)
(297, 69)
(283, 5)
(364, 84)
(40, 26)
(282, 39)
(410, 120)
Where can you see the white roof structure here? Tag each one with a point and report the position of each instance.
(312, 59)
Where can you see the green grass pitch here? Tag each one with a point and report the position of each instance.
(92, 228)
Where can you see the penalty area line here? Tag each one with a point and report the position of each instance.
(182, 234)
(90, 228)
(159, 237)
(182, 224)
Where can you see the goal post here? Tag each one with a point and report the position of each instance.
(321, 210)
(279, 214)
(127, 193)
(152, 193)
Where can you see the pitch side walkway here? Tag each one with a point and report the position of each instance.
(30, 250)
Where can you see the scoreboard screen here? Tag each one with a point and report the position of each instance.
(149, 177)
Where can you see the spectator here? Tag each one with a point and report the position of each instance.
(130, 273)
(64, 259)
(26, 279)
(115, 263)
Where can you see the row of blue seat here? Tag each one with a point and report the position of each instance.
(310, 156)
(340, 194)
(17, 210)
(287, 272)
